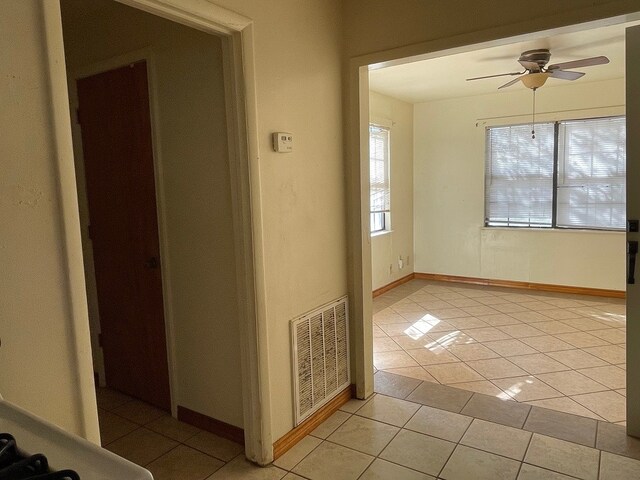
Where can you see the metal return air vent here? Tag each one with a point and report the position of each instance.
(320, 346)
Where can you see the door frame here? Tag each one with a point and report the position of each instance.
(236, 32)
(357, 154)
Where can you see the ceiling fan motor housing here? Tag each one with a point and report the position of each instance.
(540, 56)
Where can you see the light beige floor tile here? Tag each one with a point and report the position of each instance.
(411, 343)
(292, 476)
(609, 405)
(388, 316)
(564, 303)
(500, 319)
(531, 472)
(521, 331)
(448, 313)
(530, 317)
(241, 469)
(399, 329)
(450, 373)
(511, 347)
(327, 427)
(389, 410)
(467, 463)
(413, 372)
(384, 360)
(481, 386)
(113, 426)
(419, 452)
(435, 354)
(615, 467)
(355, 404)
(481, 310)
(455, 337)
(564, 457)
(385, 344)
(561, 314)
(464, 302)
(364, 435)
(172, 428)
(467, 322)
(492, 300)
(538, 363)
(439, 423)
(547, 343)
(609, 376)
(486, 334)
(491, 437)
(295, 455)
(142, 446)
(576, 359)
(566, 405)
(496, 368)
(215, 446)
(383, 470)
(108, 399)
(553, 327)
(138, 412)
(581, 339)
(537, 306)
(524, 389)
(472, 351)
(571, 382)
(584, 324)
(612, 335)
(622, 391)
(330, 461)
(183, 463)
(511, 308)
(609, 353)
(378, 332)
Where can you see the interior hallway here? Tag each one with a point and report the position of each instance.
(558, 351)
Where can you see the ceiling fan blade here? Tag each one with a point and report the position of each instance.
(493, 76)
(512, 82)
(531, 66)
(565, 74)
(585, 62)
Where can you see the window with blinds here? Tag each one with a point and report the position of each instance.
(522, 188)
(379, 185)
(592, 171)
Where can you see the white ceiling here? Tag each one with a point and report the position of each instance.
(444, 77)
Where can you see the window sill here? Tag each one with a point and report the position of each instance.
(381, 233)
(556, 230)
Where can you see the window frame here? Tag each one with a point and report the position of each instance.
(384, 215)
(555, 178)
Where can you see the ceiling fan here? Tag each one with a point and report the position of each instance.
(536, 72)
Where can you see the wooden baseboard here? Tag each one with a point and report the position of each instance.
(284, 443)
(379, 291)
(544, 287)
(220, 428)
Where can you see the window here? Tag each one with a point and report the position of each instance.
(379, 178)
(572, 175)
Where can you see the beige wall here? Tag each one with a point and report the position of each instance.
(194, 195)
(45, 353)
(449, 193)
(386, 248)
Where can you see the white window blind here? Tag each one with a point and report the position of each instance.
(592, 173)
(519, 176)
(379, 177)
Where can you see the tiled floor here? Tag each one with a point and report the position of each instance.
(563, 352)
(475, 436)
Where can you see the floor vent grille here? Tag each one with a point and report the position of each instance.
(320, 357)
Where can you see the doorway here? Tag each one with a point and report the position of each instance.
(444, 130)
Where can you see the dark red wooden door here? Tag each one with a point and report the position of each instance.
(118, 155)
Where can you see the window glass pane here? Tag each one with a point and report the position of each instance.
(519, 176)
(379, 176)
(592, 173)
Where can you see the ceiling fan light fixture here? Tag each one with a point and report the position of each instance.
(534, 80)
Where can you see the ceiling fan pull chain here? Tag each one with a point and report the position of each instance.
(533, 119)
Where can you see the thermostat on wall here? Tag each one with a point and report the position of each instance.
(282, 142)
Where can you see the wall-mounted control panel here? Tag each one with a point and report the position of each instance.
(282, 142)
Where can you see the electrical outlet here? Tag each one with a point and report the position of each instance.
(400, 263)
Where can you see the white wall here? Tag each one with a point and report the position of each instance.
(194, 195)
(449, 193)
(45, 353)
(387, 247)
